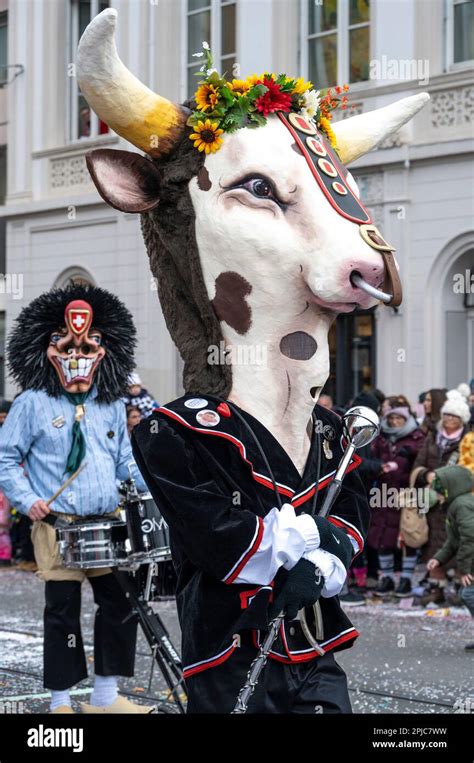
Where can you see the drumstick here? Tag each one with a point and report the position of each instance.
(65, 484)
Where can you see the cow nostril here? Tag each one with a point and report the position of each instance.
(351, 278)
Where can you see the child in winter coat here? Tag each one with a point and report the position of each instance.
(453, 485)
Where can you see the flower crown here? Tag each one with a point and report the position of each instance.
(226, 106)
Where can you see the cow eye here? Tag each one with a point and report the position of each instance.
(261, 188)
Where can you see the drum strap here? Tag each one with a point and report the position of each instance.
(50, 519)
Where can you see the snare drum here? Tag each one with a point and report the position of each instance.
(148, 533)
(91, 545)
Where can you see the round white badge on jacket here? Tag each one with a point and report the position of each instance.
(196, 402)
(208, 418)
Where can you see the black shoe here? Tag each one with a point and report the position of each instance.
(385, 587)
(403, 588)
(352, 599)
(469, 647)
(434, 596)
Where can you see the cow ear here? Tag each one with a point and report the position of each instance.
(125, 180)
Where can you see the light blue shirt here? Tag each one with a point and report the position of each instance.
(30, 437)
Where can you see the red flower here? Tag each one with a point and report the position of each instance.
(273, 99)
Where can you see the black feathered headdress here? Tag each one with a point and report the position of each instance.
(30, 336)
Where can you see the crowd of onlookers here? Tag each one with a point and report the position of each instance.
(419, 477)
(418, 474)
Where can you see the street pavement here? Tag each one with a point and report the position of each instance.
(405, 661)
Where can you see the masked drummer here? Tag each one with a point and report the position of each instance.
(71, 351)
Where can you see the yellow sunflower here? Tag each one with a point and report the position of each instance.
(252, 79)
(325, 126)
(239, 86)
(207, 136)
(206, 97)
(301, 86)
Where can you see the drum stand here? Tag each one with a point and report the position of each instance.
(169, 662)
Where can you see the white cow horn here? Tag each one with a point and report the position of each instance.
(147, 120)
(357, 135)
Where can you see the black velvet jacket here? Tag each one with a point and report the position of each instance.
(211, 484)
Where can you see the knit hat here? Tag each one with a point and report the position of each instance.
(400, 411)
(368, 399)
(463, 390)
(456, 405)
(133, 379)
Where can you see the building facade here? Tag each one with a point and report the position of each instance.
(418, 185)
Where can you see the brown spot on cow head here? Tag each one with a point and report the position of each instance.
(298, 346)
(230, 303)
(296, 149)
(203, 179)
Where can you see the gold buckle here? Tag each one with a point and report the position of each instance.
(373, 237)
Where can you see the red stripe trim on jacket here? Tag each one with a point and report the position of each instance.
(311, 654)
(324, 482)
(350, 531)
(266, 481)
(211, 663)
(248, 555)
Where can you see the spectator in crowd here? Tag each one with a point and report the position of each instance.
(453, 486)
(326, 401)
(466, 448)
(5, 406)
(366, 564)
(396, 401)
(440, 448)
(396, 448)
(433, 401)
(5, 540)
(133, 417)
(17, 543)
(139, 397)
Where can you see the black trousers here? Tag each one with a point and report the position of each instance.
(318, 686)
(114, 640)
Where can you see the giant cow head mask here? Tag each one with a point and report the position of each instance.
(244, 241)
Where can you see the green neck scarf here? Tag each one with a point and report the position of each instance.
(78, 445)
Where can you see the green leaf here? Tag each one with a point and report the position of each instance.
(257, 120)
(256, 91)
(227, 95)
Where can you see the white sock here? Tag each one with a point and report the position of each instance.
(59, 698)
(387, 565)
(105, 691)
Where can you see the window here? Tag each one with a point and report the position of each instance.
(215, 22)
(352, 346)
(460, 31)
(74, 276)
(337, 41)
(83, 122)
(3, 47)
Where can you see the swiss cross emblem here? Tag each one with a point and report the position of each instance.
(78, 316)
